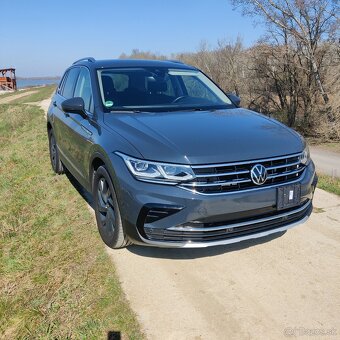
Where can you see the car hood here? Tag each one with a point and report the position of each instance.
(199, 137)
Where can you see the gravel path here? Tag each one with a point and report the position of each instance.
(15, 96)
(327, 162)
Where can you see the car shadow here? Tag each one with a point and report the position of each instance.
(86, 195)
(178, 253)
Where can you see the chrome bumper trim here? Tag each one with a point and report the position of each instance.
(241, 224)
(168, 244)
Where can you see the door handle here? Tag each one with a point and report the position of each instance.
(66, 114)
(54, 103)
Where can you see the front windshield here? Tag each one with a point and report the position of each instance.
(159, 89)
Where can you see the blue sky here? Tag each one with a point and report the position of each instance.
(42, 37)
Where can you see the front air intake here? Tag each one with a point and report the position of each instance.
(154, 212)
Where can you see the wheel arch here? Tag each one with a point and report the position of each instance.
(49, 126)
(97, 160)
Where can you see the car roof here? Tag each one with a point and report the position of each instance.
(92, 63)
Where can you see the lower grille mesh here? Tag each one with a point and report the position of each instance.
(157, 234)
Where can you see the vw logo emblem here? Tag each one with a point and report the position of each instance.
(258, 174)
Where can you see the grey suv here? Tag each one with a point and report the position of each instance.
(173, 161)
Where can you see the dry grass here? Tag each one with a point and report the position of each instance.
(330, 184)
(56, 280)
(329, 146)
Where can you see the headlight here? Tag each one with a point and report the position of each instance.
(156, 171)
(305, 156)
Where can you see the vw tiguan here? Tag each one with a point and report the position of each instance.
(173, 161)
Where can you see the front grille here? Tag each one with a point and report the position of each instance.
(230, 230)
(221, 178)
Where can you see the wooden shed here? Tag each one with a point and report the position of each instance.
(8, 80)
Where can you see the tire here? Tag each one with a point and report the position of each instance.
(107, 210)
(57, 166)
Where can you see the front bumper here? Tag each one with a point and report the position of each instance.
(169, 216)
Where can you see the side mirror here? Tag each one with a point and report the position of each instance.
(74, 105)
(235, 99)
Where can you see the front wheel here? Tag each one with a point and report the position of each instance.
(107, 210)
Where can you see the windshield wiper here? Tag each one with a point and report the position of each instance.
(126, 111)
(196, 109)
(163, 109)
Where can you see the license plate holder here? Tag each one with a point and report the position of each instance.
(288, 196)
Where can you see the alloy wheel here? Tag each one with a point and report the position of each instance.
(105, 206)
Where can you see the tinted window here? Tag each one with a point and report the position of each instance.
(83, 89)
(159, 88)
(70, 82)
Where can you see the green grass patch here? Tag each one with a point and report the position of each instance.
(330, 184)
(56, 280)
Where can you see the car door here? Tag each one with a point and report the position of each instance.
(57, 117)
(63, 122)
(83, 128)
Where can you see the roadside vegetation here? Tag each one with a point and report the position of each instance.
(56, 280)
(330, 184)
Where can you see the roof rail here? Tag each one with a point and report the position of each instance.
(90, 59)
(175, 61)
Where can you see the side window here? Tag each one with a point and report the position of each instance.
(62, 82)
(70, 82)
(83, 89)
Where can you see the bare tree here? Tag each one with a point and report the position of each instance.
(231, 65)
(224, 63)
(275, 85)
(138, 54)
(306, 22)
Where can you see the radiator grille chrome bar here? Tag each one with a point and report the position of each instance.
(233, 177)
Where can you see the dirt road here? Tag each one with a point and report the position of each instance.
(260, 289)
(9, 99)
(326, 161)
